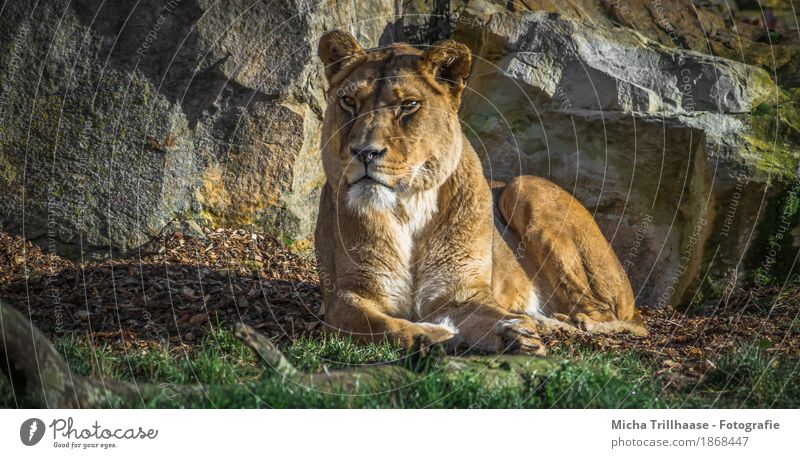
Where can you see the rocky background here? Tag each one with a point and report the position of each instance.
(675, 122)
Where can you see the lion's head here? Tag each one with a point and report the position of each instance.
(391, 127)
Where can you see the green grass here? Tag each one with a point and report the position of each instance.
(588, 378)
(220, 358)
(582, 377)
(338, 353)
(754, 379)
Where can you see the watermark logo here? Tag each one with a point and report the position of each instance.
(31, 431)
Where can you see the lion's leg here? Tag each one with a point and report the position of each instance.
(633, 326)
(362, 319)
(488, 328)
(569, 258)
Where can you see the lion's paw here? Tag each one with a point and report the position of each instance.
(520, 336)
(584, 323)
(437, 333)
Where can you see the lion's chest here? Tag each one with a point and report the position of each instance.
(419, 276)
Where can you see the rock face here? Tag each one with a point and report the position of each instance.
(116, 118)
(663, 144)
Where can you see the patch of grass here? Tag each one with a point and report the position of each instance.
(309, 354)
(220, 358)
(588, 378)
(287, 240)
(582, 377)
(87, 359)
(752, 378)
(591, 379)
(430, 390)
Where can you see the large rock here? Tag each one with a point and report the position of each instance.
(674, 151)
(721, 28)
(117, 117)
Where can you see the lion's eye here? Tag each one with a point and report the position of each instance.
(409, 105)
(348, 103)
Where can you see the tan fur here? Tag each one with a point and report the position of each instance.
(416, 249)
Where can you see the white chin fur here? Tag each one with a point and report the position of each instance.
(366, 197)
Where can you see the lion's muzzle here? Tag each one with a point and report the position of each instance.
(368, 153)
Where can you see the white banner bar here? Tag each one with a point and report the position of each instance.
(399, 433)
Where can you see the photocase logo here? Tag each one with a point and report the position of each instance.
(31, 431)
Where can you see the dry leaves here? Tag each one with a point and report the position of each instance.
(176, 289)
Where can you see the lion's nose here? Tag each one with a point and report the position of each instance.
(367, 154)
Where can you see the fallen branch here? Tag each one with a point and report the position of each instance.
(265, 349)
(505, 370)
(40, 378)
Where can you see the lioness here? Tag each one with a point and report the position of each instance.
(408, 240)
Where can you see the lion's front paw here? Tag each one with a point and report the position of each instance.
(584, 323)
(425, 334)
(519, 335)
(437, 333)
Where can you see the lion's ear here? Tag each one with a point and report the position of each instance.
(336, 49)
(449, 62)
